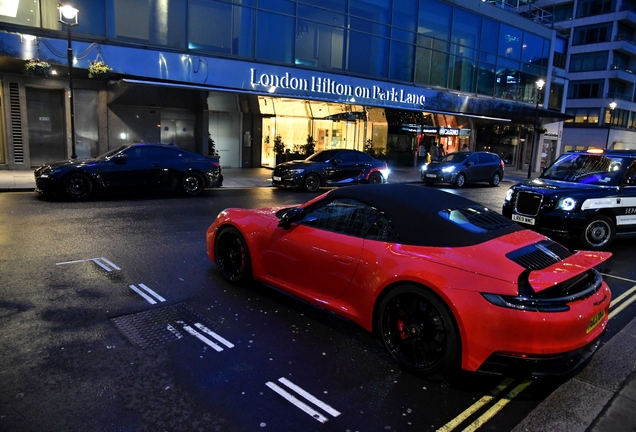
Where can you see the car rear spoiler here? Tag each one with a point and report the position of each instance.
(570, 267)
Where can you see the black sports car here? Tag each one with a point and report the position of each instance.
(335, 167)
(589, 196)
(133, 166)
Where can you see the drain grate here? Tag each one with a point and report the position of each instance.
(158, 326)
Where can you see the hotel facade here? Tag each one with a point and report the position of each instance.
(234, 77)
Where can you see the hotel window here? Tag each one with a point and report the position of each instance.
(92, 16)
(589, 61)
(585, 89)
(586, 8)
(319, 46)
(583, 115)
(157, 23)
(221, 28)
(279, 28)
(510, 39)
(373, 60)
(592, 34)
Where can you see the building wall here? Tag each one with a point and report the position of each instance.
(465, 57)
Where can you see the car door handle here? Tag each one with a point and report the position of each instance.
(344, 259)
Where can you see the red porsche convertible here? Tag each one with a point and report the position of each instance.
(443, 281)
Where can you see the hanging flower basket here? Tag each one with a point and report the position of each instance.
(98, 69)
(37, 67)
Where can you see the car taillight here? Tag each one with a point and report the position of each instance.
(215, 164)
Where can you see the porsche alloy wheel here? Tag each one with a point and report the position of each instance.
(599, 233)
(376, 178)
(192, 184)
(311, 182)
(77, 186)
(460, 180)
(418, 331)
(232, 256)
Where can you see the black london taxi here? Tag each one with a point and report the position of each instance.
(589, 196)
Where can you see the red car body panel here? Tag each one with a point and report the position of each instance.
(348, 276)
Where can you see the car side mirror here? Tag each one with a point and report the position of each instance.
(120, 158)
(291, 215)
(470, 163)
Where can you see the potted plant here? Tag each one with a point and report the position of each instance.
(309, 147)
(212, 147)
(279, 149)
(98, 69)
(37, 67)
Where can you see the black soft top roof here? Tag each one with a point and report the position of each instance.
(420, 214)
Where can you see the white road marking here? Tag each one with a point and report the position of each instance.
(152, 293)
(72, 262)
(109, 263)
(104, 266)
(141, 293)
(297, 403)
(310, 397)
(219, 338)
(202, 338)
(102, 262)
(174, 331)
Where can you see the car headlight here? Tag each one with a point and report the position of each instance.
(449, 169)
(424, 167)
(296, 171)
(509, 193)
(566, 204)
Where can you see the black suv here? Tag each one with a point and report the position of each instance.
(589, 196)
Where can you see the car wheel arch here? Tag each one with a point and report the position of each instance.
(409, 283)
(249, 273)
(457, 333)
(612, 219)
(190, 172)
(82, 173)
(315, 174)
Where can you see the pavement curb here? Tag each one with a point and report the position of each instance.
(587, 401)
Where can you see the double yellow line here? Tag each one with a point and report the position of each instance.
(625, 299)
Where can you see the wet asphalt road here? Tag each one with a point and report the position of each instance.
(83, 286)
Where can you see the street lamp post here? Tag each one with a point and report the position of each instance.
(535, 135)
(68, 17)
(612, 105)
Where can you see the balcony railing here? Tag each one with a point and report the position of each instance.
(619, 96)
(524, 9)
(622, 67)
(625, 38)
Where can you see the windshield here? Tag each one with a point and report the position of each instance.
(455, 157)
(111, 152)
(322, 156)
(596, 169)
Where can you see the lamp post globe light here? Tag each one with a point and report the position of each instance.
(68, 17)
(612, 105)
(535, 136)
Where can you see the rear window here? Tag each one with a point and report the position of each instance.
(476, 219)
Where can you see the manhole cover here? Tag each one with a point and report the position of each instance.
(159, 326)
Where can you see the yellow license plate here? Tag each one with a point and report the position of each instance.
(596, 319)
